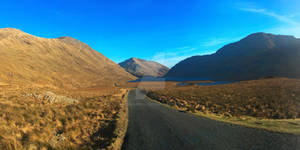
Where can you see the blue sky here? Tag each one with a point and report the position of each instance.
(166, 31)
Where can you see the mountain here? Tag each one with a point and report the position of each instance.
(60, 62)
(259, 55)
(140, 67)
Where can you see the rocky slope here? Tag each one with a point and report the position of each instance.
(59, 63)
(140, 67)
(258, 55)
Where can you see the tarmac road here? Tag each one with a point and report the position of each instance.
(153, 126)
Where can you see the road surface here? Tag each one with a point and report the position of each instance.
(153, 126)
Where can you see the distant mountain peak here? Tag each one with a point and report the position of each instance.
(132, 59)
(257, 36)
(267, 36)
(140, 67)
(260, 34)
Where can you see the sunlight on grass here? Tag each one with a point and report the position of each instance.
(28, 121)
(268, 103)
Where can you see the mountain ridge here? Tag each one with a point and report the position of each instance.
(250, 58)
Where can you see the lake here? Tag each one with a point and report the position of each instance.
(155, 79)
(205, 84)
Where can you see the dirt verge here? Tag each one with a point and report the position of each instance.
(121, 124)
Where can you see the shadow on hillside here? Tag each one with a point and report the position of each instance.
(102, 138)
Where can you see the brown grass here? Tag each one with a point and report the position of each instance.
(259, 103)
(269, 98)
(29, 122)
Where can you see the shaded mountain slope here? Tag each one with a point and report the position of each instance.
(140, 67)
(61, 62)
(258, 55)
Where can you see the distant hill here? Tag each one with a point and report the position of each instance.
(140, 67)
(60, 62)
(259, 55)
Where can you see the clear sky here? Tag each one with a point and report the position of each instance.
(166, 31)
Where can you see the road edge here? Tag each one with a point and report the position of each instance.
(121, 124)
(216, 118)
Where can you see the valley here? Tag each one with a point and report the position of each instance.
(149, 75)
(62, 94)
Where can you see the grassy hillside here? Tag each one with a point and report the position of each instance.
(58, 94)
(57, 63)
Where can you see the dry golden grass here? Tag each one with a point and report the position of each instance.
(291, 126)
(271, 104)
(27, 121)
(269, 98)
